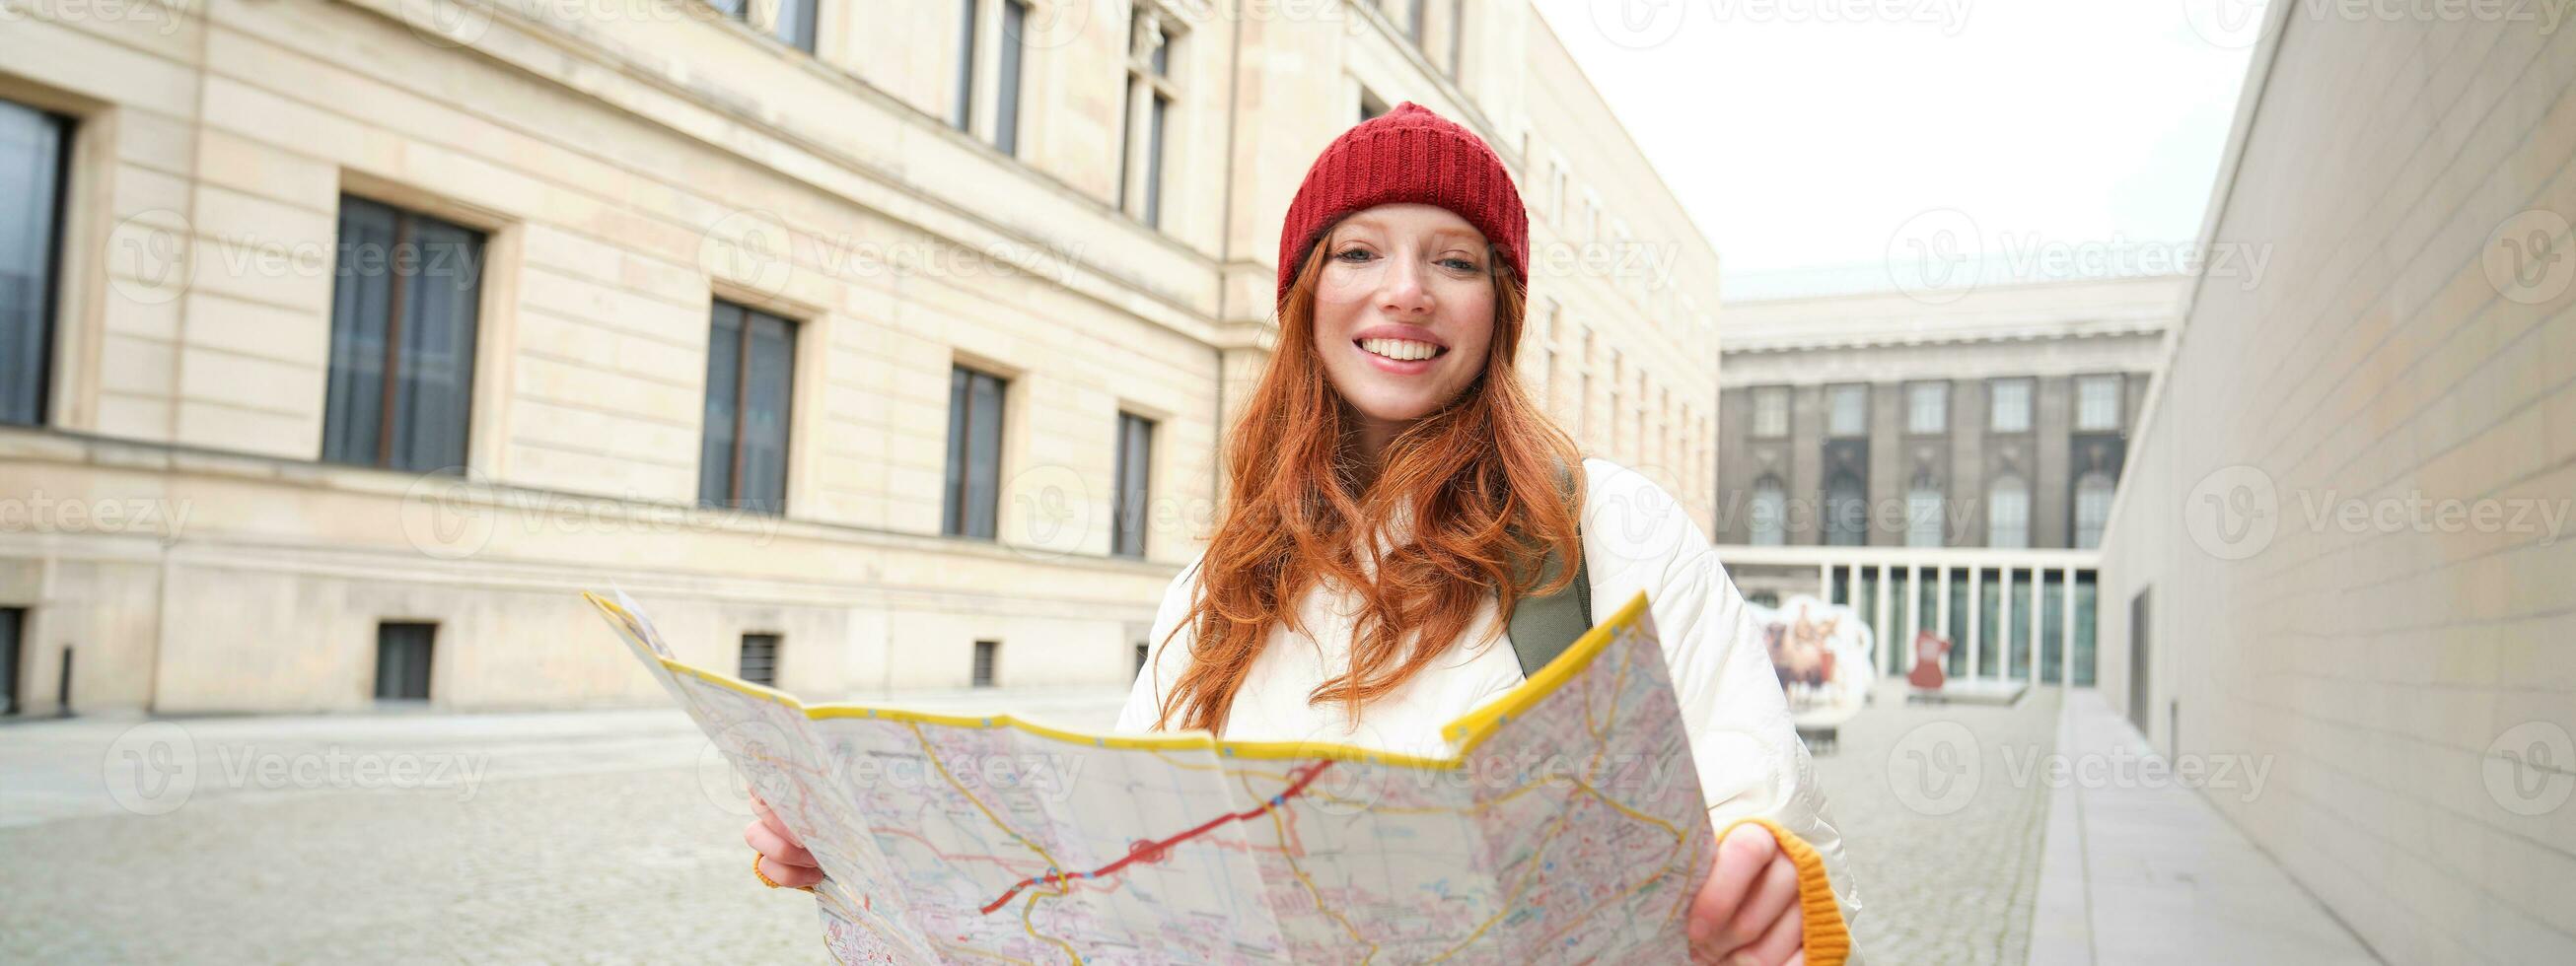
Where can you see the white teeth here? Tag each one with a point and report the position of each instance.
(1400, 349)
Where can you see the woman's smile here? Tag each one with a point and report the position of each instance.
(1400, 350)
(1403, 313)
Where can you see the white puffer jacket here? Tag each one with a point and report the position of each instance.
(1636, 537)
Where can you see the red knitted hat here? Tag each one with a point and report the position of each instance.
(1406, 155)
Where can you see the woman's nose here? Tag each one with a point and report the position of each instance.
(1402, 291)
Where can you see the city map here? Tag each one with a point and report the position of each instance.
(1566, 824)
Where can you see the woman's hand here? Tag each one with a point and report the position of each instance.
(783, 859)
(1748, 912)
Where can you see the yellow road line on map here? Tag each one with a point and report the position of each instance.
(1318, 894)
(1031, 907)
(1641, 885)
(1518, 886)
(978, 803)
(1682, 898)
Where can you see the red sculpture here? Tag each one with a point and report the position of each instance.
(1931, 654)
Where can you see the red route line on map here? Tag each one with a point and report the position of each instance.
(1305, 777)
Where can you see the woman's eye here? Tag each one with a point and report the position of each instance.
(1353, 255)
(1459, 265)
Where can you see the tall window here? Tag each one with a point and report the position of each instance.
(1770, 412)
(1923, 516)
(974, 453)
(1848, 410)
(2097, 403)
(2008, 513)
(1413, 20)
(402, 659)
(751, 366)
(988, 658)
(1618, 407)
(1846, 512)
(34, 146)
(964, 114)
(1583, 406)
(1150, 94)
(1135, 467)
(1458, 41)
(758, 662)
(402, 339)
(2092, 508)
(1927, 408)
(2009, 408)
(791, 21)
(1006, 111)
(1556, 197)
(12, 693)
(1770, 512)
(1543, 338)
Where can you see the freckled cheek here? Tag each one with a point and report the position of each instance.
(1472, 323)
(1338, 310)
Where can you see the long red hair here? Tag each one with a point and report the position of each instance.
(1483, 480)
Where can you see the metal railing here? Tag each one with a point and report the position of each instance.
(1908, 567)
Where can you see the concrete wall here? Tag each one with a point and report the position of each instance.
(2401, 667)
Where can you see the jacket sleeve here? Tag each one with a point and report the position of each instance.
(1751, 764)
(1167, 656)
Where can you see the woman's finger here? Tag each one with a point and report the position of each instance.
(1784, 943)
(789, 876)
(767, 842)
(1740, 857)
(770, 818)
(1773, 892)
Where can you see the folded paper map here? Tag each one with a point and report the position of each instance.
(1565, 825)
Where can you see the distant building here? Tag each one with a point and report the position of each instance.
(1861, 431)
(868, 343)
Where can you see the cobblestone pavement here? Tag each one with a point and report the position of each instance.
(600, 837)
(615, 837)
(1943, 809)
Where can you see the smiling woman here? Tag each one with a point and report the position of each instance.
(1392, 483)
(1403, 313)
(1393, 493)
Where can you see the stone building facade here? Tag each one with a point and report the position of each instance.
(868, 344)
(1941, 460)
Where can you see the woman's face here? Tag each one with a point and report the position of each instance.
(1404, 311)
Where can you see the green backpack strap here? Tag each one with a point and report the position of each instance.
(1543, 627)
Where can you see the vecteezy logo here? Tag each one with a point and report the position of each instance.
(445, 517)
(1637, 24)
(148, 257)
(1052, 511)
(1934, 256)
(1346, 788)
(2526, 259)
(1935, 769)
(1055, 25)
(2231, 24)
(445, 23)
(151, 769)
(2530, 769)
(2233, 513)
(749, 247)
(741, 749)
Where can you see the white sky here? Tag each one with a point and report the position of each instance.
(1803, 139)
